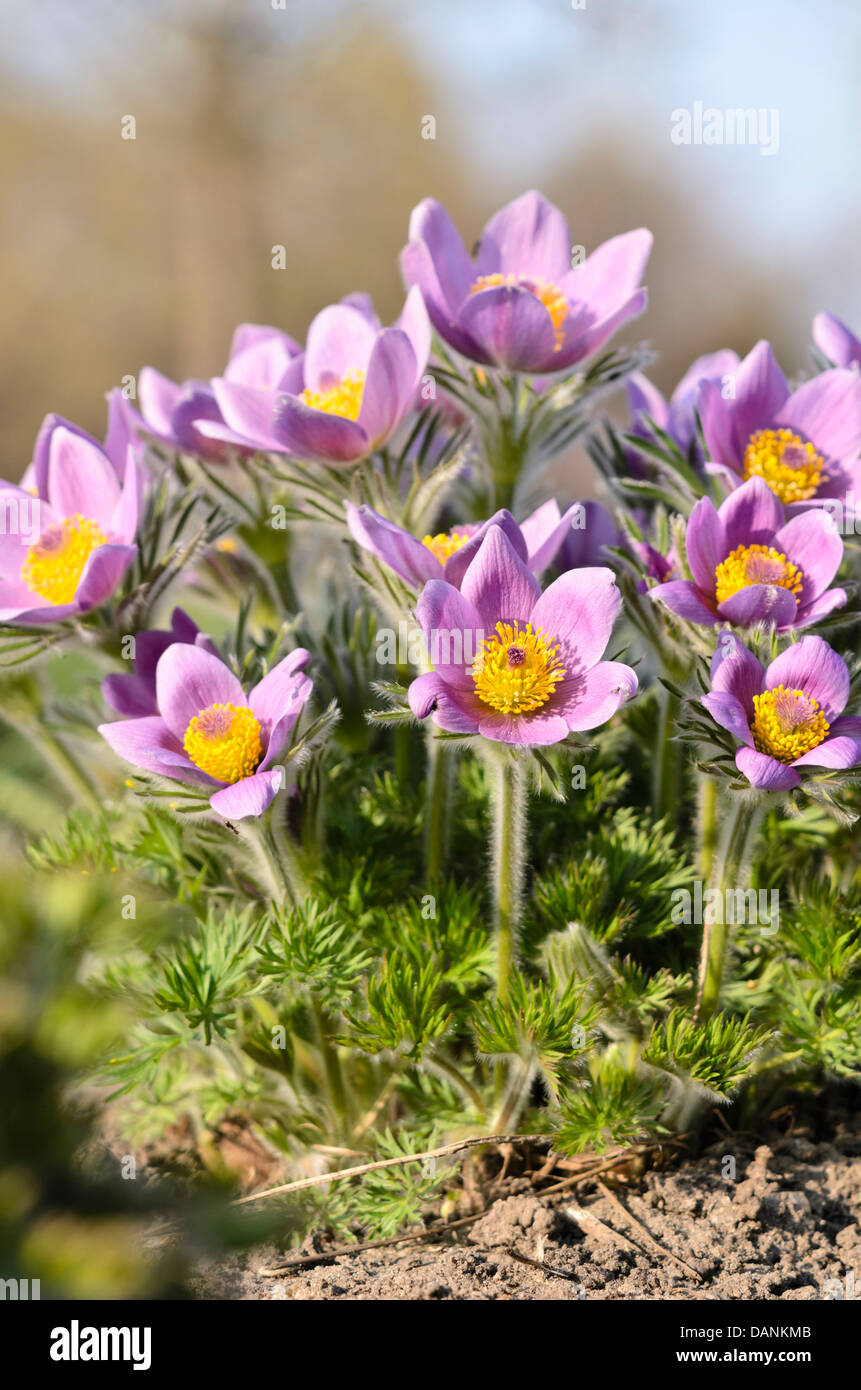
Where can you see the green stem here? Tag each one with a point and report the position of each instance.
(439, 786)
(404, 741)
(512, 1098)
(67, 767)
(708, 827)
(505, 454)
(665, 788)
(509, 823)
(331, 1064)
(285, 880)
(736, 846)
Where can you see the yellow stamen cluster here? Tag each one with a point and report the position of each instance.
(54, 565)
(224, 740)
(445, 543)
(549, 294)
(792, 468)
(344, 398)
(517, 669)
(755, 564)
(787, 723)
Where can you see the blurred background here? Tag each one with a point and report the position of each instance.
(299, 123)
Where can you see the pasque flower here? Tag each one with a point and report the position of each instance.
(209, 733)
(751, 564)
(187, 416)
(837, 341)
(519, 304)
(345, 395)
(786, 716)
(133, 693)
(448, 554)
(591, 531)
(803, 443)
(119, 438)
(674, 416)
(74, 537)
(513, 664)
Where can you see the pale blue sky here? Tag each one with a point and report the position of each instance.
(525, 81)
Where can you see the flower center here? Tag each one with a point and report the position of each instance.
(344, 398)
(787, 723)
(755, 564)
(55, 563)
(224, 740)
(792, 469)
(517, 669)
(549, 295)
(445, 543)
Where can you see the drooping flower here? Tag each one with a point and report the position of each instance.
(750, 564)
(187, 416)
(519, 304)
(448, 554)
(676, 416)
(515, 665)
(838, 342)
(592, 529)
(803, 443)
(345, 396)
(72, 538)
(133, 693)
(207, 732)
(786, 716)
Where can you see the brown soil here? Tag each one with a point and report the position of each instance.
(784, 1227)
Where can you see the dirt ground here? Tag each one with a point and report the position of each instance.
(786, 1225)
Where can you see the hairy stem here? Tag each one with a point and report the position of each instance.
(67, 767)
(737, 842)
(509, 863)
(665, 784)
(707, 827)
(437, 818)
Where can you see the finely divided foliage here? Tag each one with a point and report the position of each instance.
(380, 841)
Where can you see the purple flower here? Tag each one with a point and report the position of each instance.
(208, 733)
(187, 415)
(804, 443)
(592, 528)
(513, 664)
(134, 694)
(65, 549)
(519, 304)
(786, 716)
(120, 437)
(448, 554)
(676, 416)
(345, 396)
(750, 564)
(837, 342)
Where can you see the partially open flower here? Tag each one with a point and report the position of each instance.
(187, 416)
(520, 304)
(448, 554)
(676, 416)
(345, 396)
(65, 549)
(133, 693)
(786, 716)
(515, 665)
(208, 733)
(803, 444)
(750, 564)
